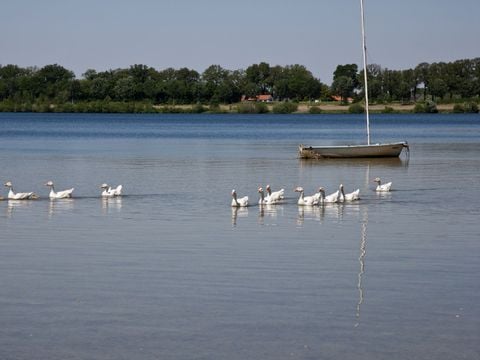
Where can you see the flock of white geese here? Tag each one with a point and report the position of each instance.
(319, 198)
(107, 191)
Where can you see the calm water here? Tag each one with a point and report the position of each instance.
(170, 271)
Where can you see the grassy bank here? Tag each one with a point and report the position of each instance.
(244, 108)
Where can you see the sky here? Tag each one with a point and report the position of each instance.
(319, 34)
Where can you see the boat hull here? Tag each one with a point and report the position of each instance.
(352, 151)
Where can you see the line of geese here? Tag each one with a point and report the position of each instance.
(107, 191)
(319, 198)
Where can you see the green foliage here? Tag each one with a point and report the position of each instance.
(388, 110)
(252, 108)
(285, 107)
(54, 88)
(356, 108)
(428, 107)
(315, 110)
(458, 108)
(471, 107)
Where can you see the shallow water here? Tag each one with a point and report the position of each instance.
(170, 271)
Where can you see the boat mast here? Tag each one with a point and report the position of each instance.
(364, 48)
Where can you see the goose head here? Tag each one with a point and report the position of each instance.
(260, 190)
(298, 189)
(377, 180)
(49, 183)
(341, 189)
(8, 184)
(269, 190)
(234, 194)
(104, 186)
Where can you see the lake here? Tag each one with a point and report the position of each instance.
(171, 271)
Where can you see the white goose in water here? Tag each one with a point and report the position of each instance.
(241, 202)
(12, 195)
(382, 187)
(58, 194)
(263, 200)
(275, 196)
(109, 192)
(327, 199)
(306, 200)
(354, 195)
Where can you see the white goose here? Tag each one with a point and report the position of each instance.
(241, 202)
(109, 192)
(327, 199)
(382, 187)
(275, 196)
(354, 195)
(263, 200)
(58, 194)
(305, 200)
(12, 195)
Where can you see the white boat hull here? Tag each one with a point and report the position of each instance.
(352, 151)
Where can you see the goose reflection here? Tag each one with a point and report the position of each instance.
(316, 213)
(110, 204)
(268, 211)
(238, 212)
(60, 205)
(16, 204)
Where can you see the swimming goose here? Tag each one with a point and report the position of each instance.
(12, 195)
(327, 199)
(354, 195)
(382, 187)
(276, 195)
(305, 200)
(242, 202)
(109, 192)
(60, 194)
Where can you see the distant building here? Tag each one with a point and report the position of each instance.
(259, 98)
(339, 98)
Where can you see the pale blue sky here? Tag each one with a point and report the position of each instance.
(320, 34)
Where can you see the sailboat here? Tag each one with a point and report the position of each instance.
(356, 151)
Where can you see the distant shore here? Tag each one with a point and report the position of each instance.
(241, 107)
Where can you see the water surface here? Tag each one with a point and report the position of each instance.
(170, 271)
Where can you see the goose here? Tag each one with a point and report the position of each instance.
(382, 187)
(109, 192)
(60, 194)
(354, 195)
(276, 195)
(263, 200)
(12, 195)
(327, 199)
(305, 200)
(241, 202)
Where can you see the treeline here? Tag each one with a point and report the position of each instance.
(442, 82)
(138, 88)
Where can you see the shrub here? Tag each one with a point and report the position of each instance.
(431, 107)
(252, 108)
(315, 110)
(419, 108)
(388, 110)
(471, 107)
(356, 109)
(285, 108)
(458, 109)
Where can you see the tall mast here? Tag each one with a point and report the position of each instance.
(364, 47)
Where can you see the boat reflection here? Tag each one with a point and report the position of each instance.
(361, 260)
(360, 162)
